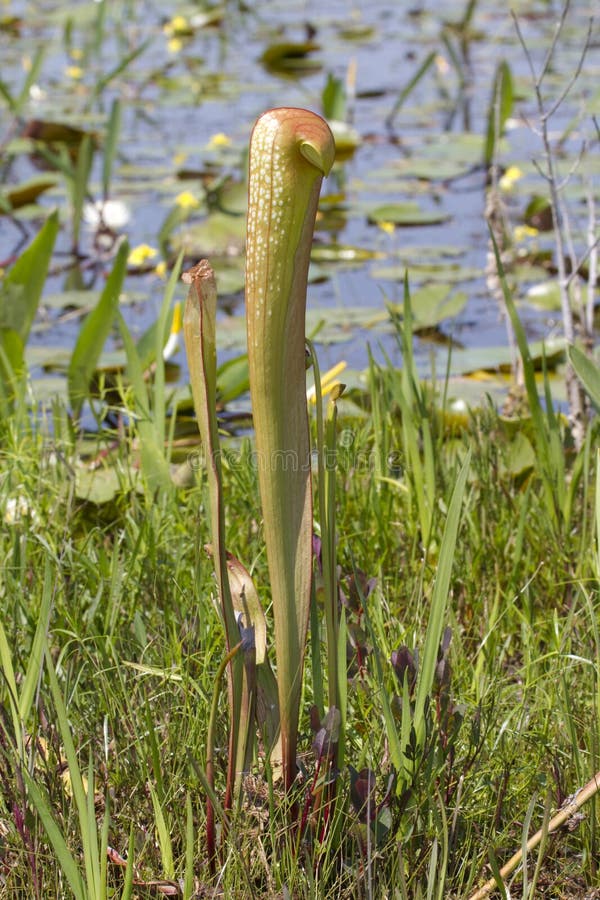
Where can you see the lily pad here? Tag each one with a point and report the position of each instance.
(219, 234)
(343, 253)
(545, 295)
(291, 58)
(49, 358)
(27, 192)
(406, 214)
(431, 169)
(498, 359)
(102, 485)
(446, 273)
(519, 456)
(434, 303)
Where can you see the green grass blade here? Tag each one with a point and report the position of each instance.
(8, 676)
(93, 865)
(87, 822)
(439, 598)
(188, 880)
(411, 85)
(11, 101)
(79, 184)
(93, 334)
(31, 79)
(162, 333)
(123, 64)
(393, 738)
(36, 656)
(65, 858)
(318, 685)
(342, 688)
(326, 452)
(103, 842)
(598, 515)
(164, 837)
(542, 440)
(113, 130)
(129, 871)
(500, 109)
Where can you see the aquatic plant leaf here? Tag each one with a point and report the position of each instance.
(21, 288)
(94, 332)
(500, 108)
(152, 458)
(27, 192)
(291, 57)
(538, 213)
(54, 133)
(333, 99)
(588, 373)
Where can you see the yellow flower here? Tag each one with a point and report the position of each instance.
(180, 158)
(186, 200)
(510, 178)
(74, 72)
(173, 339)
(76, 53)
(178, 27)
(219, 140)
(174, 45)
(329, 382)
(388, 227)
(161, 269)
(522, 232)
(141, 254)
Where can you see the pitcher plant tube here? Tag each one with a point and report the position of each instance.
(290, 152)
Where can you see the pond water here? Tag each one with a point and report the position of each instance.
(189, 100)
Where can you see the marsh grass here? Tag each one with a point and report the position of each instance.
(111, 643)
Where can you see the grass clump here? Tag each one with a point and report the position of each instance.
(112, 641)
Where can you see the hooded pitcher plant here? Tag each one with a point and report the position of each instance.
(199, 327)
(290, 152)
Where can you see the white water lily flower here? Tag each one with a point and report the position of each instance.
(113, 213)
(36, 93)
